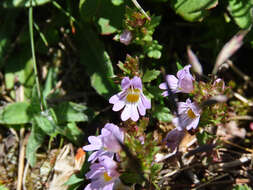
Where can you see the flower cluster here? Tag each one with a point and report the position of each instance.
(103, 171)
(106, 146)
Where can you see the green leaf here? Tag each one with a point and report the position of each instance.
(241, 11)
(50, 81)
(23, 3)
(74, 179)
(46, 123)
(105, 18)
(193, 10)
(35, 140)
(117, 2)
(150, 75)
(73, 133)
(153, 50)
(242, 187)
(163, 114)
(17, 113)
(3, 187)
(179, 66)
(105, 26)
(70, 112)
(97, 62)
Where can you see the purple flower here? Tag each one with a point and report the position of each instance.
(106, 143)
(102, 175)
(132, 98)
(126, 37)
(189, 114)
(182, 83)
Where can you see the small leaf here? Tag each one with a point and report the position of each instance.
(17, 113)
(150, 75)
(105, 26)
(179, 66)
(117, 2)
(35, 140)
(163, 114)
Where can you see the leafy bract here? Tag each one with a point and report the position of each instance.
(193, 10)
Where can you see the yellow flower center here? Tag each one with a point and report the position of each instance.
(191, 114)
(107, 177)
(133, 95)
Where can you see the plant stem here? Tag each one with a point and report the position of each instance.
(33, 55)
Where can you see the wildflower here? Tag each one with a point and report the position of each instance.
(182, 83)
(126, 37)
(102, 175)
(189, 114)
(132, 98)
(106, 143)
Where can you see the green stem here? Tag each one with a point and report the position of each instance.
(33, 55)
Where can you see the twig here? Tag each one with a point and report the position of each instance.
(25, 174)
(234, 163)
(243, 99)
(210, 181)
(141, 9)
(21, 158)
(238, 146)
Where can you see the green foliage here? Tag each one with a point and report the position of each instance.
(242, 187)
(15, 113)
(150, 75)
(241, 12)
(3, 187)
(97, 62)
(163, 113)
(22, 3)
(193, 10)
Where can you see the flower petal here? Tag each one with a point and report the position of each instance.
(136, 82)
(125, 115)
(125, 83)
(118, 106)
(134, 112)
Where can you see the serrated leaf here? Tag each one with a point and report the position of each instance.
(97, 62)
(241, 11)
(193, 10)
(163, 114)
(150, 75)
(70, 112)
(35, 140)
(17, 113)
